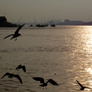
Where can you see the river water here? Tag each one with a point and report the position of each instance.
(61, 53)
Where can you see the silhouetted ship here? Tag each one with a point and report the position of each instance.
(39, 25)
(53, 25)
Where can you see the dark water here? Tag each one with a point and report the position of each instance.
(63, 53)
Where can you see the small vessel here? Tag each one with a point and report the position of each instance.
(53, 25)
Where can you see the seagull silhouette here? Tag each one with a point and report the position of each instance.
(43, 83)
(10, 75)
(21, 67)
(16, 34)
(82, 87)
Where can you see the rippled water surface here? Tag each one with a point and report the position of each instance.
(63, 53)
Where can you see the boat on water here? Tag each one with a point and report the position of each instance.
(53, 25)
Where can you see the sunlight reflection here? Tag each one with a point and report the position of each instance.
(89, 70)
(87, 37)
(90, 81)
(87, 40)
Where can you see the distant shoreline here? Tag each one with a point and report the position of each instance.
(4, 23)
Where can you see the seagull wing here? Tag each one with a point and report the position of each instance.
(39, 79)
(79, 84)
(8, 36)
(16, 32)
(18, 77)
(24, 68)
(5, 75)
(52, 82)
(18, 67)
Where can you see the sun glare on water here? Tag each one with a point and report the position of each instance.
(89, 70)
(86, 39)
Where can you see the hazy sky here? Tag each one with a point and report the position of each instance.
(44, 10)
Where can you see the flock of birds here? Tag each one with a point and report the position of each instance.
(43, 84)
(11, 75)
(40, 79)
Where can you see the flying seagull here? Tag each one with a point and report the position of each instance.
(10, 75)
(44, 84)
(82, 87)
(21, 67)
(16, 34)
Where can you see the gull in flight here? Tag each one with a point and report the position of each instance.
(21, 67)
(82, 87)
(10, 75)
(44, 84)
(16, 34)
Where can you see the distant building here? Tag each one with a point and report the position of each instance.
(68, 22)
(87, 23)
